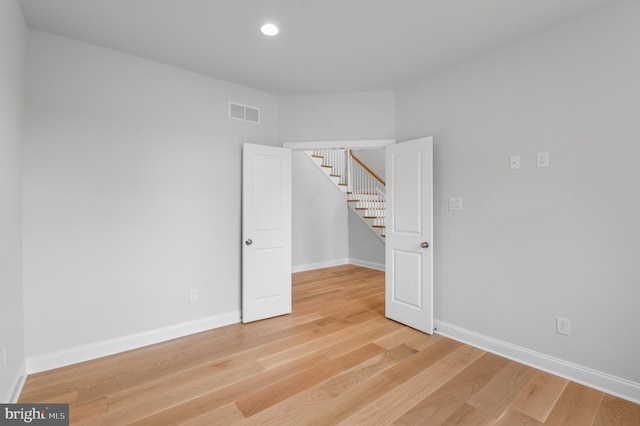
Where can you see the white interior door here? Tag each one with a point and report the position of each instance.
(409, 234)
(266, 232)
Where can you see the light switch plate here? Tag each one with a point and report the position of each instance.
(542, 159)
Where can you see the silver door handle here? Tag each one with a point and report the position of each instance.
(424, 244)
(248, 242)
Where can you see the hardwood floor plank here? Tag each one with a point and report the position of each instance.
(258, 400)
(356, 397)
(502, 390)
(421, 360)
(226, 415)
(513, 417)
(423, 341)
(469, 416)
(577, 406)
(291, 411)
(422, 382)
(399, 336)
(359, 381)
(158, 396)
(442, 404)
(540, 396)
(360, 339)
(617, 412)
(178, 405)
(341, 383)
(341, 334)
(334, 359)
(94, 412)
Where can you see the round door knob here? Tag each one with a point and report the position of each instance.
(424, 244)
(248, 242)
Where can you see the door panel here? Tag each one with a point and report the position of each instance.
(266, 230)
(407, 206)
(409, 265)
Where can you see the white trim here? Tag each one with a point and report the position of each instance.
(95, 350)
(367, 264)
(15, 388)
(356, 143)
(319, 265)
(577, 373)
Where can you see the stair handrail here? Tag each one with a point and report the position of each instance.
(378, 178)
(365, 190)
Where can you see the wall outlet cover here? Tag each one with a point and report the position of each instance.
(514, 162)
(563, 326)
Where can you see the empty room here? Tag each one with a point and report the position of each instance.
(218, 212)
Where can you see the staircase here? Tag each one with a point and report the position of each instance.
(365, 190)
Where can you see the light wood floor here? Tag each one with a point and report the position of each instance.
(335, 359)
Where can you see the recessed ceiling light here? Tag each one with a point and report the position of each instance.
(269, 29)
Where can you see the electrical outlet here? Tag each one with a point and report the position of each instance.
(514, 162)
(563, 326)
(5, 355)
(193, 295)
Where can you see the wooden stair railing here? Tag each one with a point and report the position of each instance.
(364, 187)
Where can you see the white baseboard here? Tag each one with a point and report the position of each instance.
(367, 264)
(15, 388)
(319, 265)
(95, 350)
(604, 382)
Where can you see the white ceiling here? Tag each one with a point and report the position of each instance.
(323, 46)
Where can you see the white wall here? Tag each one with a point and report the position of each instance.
(319, 217)
(535, 243)
(339, 116)
(131, 194)
(364, 247)
(12, 51)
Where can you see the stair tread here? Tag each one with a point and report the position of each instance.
(359, 194)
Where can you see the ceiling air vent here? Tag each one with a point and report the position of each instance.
(244, 112)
